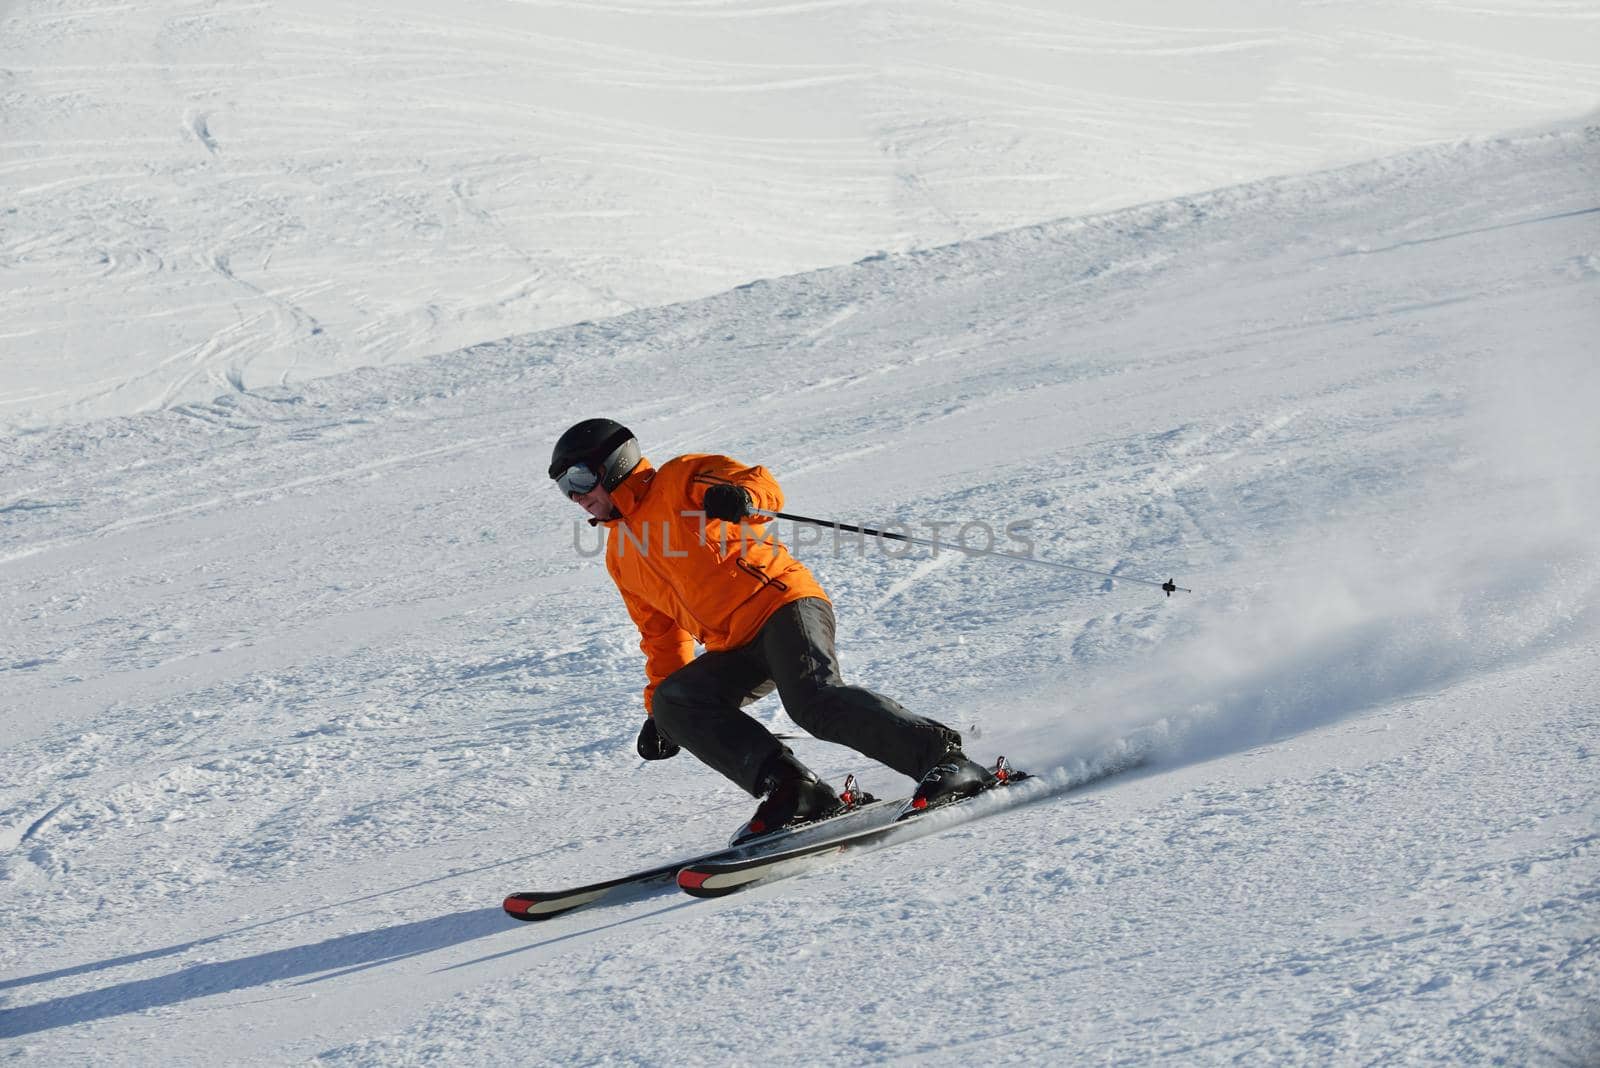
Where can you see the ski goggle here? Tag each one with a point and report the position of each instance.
(577, 480)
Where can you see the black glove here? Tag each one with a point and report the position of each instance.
(653, 745)
(727, 501)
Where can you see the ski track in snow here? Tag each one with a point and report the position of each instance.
(300, 681)
(202, 200)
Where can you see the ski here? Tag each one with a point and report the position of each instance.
(719, 875)
(534, 905)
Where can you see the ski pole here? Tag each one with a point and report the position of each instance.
(1169, 587)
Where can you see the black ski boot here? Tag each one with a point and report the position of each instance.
(794, 795)
(953, 778)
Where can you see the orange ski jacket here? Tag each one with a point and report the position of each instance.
(686, 578)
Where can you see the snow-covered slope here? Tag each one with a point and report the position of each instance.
(198, 197)
(298, 683)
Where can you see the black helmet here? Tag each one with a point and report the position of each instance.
(606, 446)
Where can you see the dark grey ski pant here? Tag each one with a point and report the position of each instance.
(699, 706)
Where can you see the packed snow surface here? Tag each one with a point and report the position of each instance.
(203, 196)
(299, 682)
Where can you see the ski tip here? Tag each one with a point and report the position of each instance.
(532, 907)
(516, 905)
(692, 881)
(714, 883)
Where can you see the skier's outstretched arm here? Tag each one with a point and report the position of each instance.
(666, 646)
(714, 488)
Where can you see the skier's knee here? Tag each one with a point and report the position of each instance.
(819, 712)
(669, 706)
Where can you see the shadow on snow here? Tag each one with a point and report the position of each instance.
(336, 956)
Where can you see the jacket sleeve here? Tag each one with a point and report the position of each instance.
(666, 646)
(765, 493)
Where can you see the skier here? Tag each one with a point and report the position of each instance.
(690, 570)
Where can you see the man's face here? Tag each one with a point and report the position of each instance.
(597, 502)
